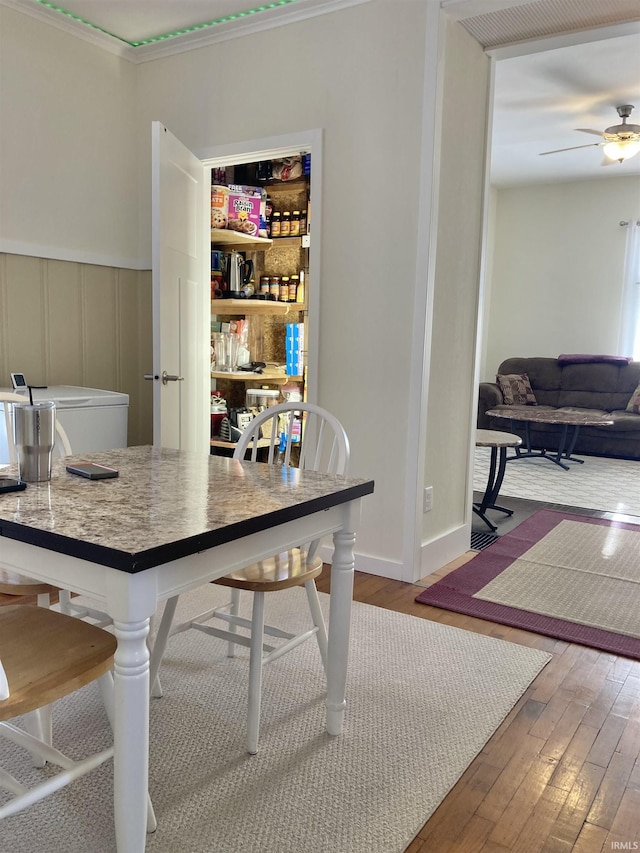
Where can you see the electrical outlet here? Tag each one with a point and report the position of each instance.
(427, 501)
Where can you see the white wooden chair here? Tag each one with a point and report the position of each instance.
(44, 656)
(324, 447)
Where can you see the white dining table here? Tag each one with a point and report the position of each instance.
(171, 521)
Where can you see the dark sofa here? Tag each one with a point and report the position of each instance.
(598, 386)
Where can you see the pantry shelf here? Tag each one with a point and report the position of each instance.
(267, 377)
(253, 306)
(230, 445)
(228, 237)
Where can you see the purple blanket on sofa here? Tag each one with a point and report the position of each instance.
(579, 358)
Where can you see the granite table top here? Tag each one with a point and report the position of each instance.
(544, 415)
(495, 438)
(164, 504)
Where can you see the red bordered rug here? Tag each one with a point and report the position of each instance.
(575, 580)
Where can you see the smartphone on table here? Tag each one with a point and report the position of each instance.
(92, 471)
(10, 484)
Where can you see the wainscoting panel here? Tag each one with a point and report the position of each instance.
(65, 323)
(64, 308)
(24, 325)
(99, 325)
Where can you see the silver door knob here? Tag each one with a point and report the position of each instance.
(167, 377)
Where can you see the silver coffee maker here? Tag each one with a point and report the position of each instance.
(236, 271)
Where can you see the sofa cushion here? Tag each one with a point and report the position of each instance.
(634, 403)
(592, 386)
(516, 389)
(545, 375)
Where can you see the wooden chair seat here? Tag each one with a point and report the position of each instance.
(11, 583)
(282, 571)
(47, 655)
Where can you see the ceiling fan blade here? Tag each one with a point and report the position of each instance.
(589, 130)
(573, 148)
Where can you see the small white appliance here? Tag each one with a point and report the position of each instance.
(92, 418)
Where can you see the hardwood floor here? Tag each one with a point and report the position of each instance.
(562, 773)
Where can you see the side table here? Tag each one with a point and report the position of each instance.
(497, 441)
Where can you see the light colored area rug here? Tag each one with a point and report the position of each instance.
(423, 700)
(610, 485)
(586, 573)
(573, 577)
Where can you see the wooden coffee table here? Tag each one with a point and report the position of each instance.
(540, 415)
(497, 441)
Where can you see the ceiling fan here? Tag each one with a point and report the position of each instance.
(621, 141)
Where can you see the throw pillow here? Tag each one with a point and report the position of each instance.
(516, 389)
(634, 403)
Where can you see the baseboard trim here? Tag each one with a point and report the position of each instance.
(369, 565)
(433, 556)
(437, 553)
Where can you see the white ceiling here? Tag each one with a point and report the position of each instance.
(540, 99)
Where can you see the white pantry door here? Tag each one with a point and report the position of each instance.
(181, 296)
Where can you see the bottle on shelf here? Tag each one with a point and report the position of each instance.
(284, 289)
(294, 226)
(294, 281)
(303, 222)
(276, 224)
(300, 289)
(285, 224)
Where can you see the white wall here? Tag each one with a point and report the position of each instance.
(558, 257)
(457, 275)
(75, 172)
(336, 72)
(68, 169)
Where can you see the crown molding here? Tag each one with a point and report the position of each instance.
(270, 19)
(236, 29)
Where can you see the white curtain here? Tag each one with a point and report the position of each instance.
(629, 341)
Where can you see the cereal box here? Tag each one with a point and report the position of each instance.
(244, 209)
(219, 206)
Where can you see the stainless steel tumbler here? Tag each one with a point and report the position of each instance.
(34, 433)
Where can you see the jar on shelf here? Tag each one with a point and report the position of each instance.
(276, 224)
(303, 222)
(284, 288)
(294, 281)
(294, 227)
(274, 286)
(285, 224)
(265, 281)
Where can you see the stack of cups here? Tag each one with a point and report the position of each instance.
(225, 348)
(34, 433)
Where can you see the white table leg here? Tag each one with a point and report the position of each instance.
(131, 735)
(342, 569)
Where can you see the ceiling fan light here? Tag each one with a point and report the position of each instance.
(621, 150)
